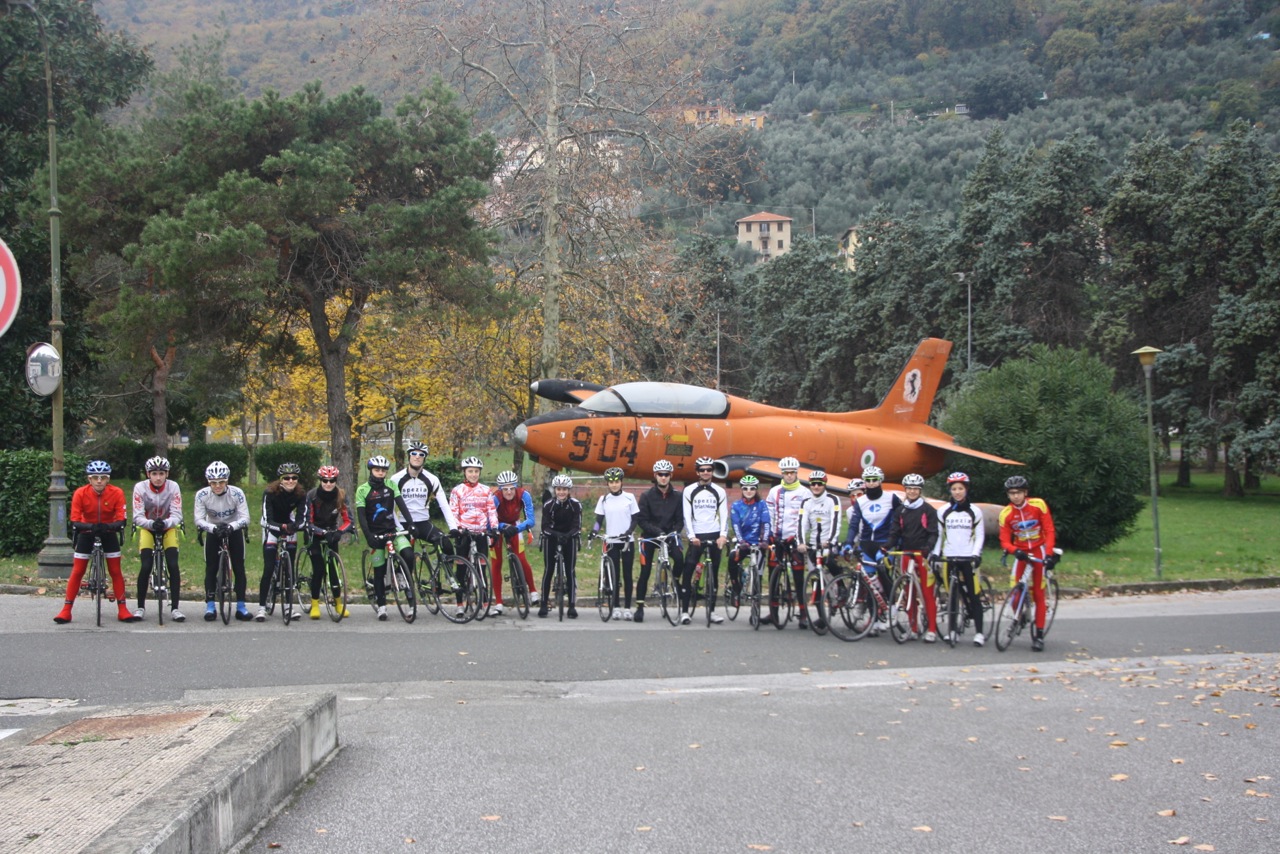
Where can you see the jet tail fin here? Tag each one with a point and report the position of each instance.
(910, 399)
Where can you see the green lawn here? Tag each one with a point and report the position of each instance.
(1202, 536)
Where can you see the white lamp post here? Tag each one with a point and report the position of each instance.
(1147, 356)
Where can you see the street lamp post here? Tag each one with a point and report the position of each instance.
(54, 560)
(964, 280)
(1147, 356)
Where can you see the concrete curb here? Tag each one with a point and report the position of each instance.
(25, 589)
(211, 808)
(239, 761)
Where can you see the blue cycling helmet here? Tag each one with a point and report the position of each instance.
(98, 467)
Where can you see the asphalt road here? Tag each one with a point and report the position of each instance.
(586, 736)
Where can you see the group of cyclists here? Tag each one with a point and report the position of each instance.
(793, 523)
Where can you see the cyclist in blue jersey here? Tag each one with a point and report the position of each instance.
(749, 517)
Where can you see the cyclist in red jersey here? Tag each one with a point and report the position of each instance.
(515, 516)
(97, 509)
(1026, 530)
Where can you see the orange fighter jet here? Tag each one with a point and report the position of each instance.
(632, 425)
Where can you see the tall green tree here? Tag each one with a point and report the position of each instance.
(311, 206)
(93, 71)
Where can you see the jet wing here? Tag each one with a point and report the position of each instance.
(968, 452)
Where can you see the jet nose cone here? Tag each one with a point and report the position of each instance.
(522, 434)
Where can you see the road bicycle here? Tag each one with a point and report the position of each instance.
(608, 582)
(519, 584)
(908, 615)
(1018, 609)
(483, 581)
(560, 586)
(284, 581)
(847, 603)
(399, 580)
(752, 569)
(854, 602)
(780, 589)
(96, 585)
(223, 590)
(704, 577)
(948, 590)
(333, 586)
(442, 575)
(664, 586)
(159, 570)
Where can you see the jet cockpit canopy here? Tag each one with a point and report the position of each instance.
(649, 398)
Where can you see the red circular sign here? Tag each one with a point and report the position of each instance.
(10, 288)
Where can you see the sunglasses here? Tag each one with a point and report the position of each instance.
(416, 454)
(290, 477)
(871, 480)
(748, 489)
(662, 474)
(217, 482)
(328, 480)
(818, 483)
(98, 477)
(705, 470)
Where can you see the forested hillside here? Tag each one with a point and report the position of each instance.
(860, 94)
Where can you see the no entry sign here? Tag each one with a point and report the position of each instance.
(10, 288)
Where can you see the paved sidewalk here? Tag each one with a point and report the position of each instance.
(175, 777)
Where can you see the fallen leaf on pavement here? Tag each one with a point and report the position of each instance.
(1119, 777)
(1167, 813)
(924, 828)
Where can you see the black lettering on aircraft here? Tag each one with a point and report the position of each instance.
(629, 451)
(609, 443)
(582, 440)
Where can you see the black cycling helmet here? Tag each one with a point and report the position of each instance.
(1015, 482)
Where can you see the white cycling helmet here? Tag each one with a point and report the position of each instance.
(98, 467)
(562, 480)
(471, 463)
(663, 467)
(789, 464)
(873, 473)
(913, 480)
(157, 464)
(378, 462)
(857, 483)
(507, 478)
(217, 470)
(704, 461)
(817, 476)
(416, 447)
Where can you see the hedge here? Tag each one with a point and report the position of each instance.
(24, 481)
(267, 458)
(128, 458)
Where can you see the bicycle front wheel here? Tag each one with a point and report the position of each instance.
(836, 608)
(428, 582)
(519, 586)
(288, 587)
(458, 578)
(955, 610)
(861, 607)
(484, 589)
(786, 599)
(335, 600)
(753, 595)
(815, 594)
(98, 581)
(712, 591)
(906, 609)
(404, 588)
(604, 593)
(1009, 621)
(160, 584)
(665, 590)
(224, 586)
